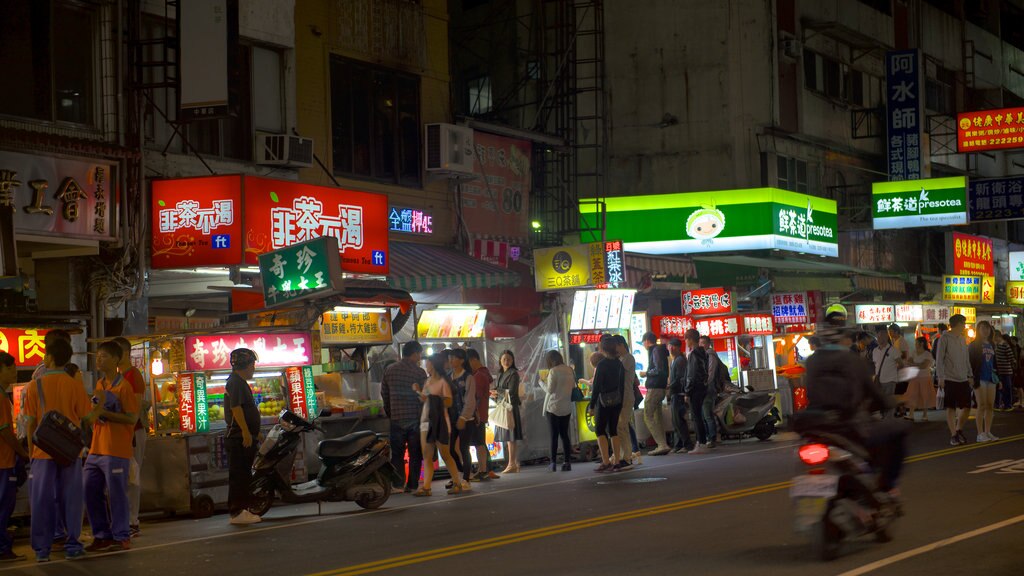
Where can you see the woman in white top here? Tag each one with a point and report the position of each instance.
(558, 406)
(920, 391)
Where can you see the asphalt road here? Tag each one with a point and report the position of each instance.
(722, 513)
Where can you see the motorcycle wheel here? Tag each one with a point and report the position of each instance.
(825, 541)
(261, 501)
(764, 430)
(368, 503)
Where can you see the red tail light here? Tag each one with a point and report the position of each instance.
(813, 454)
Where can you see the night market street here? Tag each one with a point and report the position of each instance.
(723, 513)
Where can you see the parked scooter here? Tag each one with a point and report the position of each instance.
(355, 468)
(742, 414)
(835, 496)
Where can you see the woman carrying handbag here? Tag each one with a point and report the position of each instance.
(507, 390)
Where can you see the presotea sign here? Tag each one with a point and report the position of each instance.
(917, 203)
(725, 220)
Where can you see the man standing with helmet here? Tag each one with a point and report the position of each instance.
(243, 421)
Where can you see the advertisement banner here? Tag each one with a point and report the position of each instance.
(758, 324)
(53, 196)
(998, 129)
(909, 313)
(1017, 266)
(26, 345)
(903, 114)
(213, 352)
(442, 324)
(300, 270)
(197, 222)
(666, 327)
(934, 313)
(496, 202)
(296, 391)
(355, 326)
(791, 308)
(725, 220)
(707, 302)
(597, 264)
(874, 314)
(968, 312)
(1015, 293)
(970, 255)
(917, 203)
(961, 289)
(996, 199)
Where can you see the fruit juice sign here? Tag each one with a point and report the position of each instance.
(202, 407)
(186, 402)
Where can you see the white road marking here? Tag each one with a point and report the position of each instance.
(933, 546)
(465, 496)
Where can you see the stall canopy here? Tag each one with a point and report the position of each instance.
(639, 267)
(421, 267)
(796, 275)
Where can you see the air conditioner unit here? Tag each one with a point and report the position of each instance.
(790, 47)
(284, 150)
(449, 149)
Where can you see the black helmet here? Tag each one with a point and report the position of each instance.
(243, 358)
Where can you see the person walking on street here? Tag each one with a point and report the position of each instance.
(1006, 367)
(49, 483)
(953, 365)
(436, 425)
(133, 376)
(657, 385)
(1018, 379)
(463, 413)
(105, 476)
(509, 385)
(10, 449)
(606, 402)
(920, 392)
(558, 406)
(243, 429)
(403, 405)
(983, 366)
(886, 358)
(676, 378)
(696, 387)
(625, 422)
(484, 382)
(718, 379)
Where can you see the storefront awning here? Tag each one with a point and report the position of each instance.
(811, 283)
(799, 275)
(881, 284)
(639, 266)
(421, 267)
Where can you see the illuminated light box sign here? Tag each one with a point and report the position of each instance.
(917, 203)
(996, 199)
(301, 392)
(602, 309)
(874, 313)
(721, 327)
(707, 302)
(909, 313)
(988, 290)
(665, 327)
(410, 221)
(355, 326)
(1015, 293)
(971, 255)
(300, 271)
(726, 220)
(202, 222)
(598, 264)
(26, 345)
(791, 308)
(444, 324)
(186, 402)
(1017, 266)
(998, 129)
(935, 313)
(961, 289)
(968, 312)
(213, 352)
(585, 337)
(758, 324)
(202, 406)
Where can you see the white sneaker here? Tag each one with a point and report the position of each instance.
(244, 518)
(992, 437)
(700, 449)
(982, 437)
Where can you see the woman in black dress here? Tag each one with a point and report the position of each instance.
(436, 425)
(508, 384)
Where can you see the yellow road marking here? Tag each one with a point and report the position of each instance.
(504, 540)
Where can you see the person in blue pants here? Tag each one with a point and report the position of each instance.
(10, 448)
(106, 468)
(58, 392)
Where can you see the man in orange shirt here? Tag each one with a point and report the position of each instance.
(106, 468)
(65, 395)
(9, 446)
(134, 377)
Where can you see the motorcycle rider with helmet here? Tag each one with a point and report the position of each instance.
(243, 427)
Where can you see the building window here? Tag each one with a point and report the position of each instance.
(825, 75)
(230, 137)
(792, 174)
(375, 122)
(480, 95)
(49, 48)
(939, 93)
(268, 90)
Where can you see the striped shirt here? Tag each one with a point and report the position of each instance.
(401, 402)
(1005, 361)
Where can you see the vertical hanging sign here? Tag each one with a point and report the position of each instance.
(201, 405)
(903, 114)
(186, 402)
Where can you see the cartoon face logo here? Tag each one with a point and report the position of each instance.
(705, 223)
(965, 124)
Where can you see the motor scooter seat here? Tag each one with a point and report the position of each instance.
(750, 401)
(346, 445)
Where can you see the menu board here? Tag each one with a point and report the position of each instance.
(579, 304)
(601, 310)
(604, 304)
(457, 324)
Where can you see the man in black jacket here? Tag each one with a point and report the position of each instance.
(676, 378)
(657, 383)
(695, 386)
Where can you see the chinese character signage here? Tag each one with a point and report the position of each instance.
(307, 381)
(970, 255)
(666, 327)
(601, 309)
(496, 202)
(1015, 293)
(52, 196)
(758, 324)
(1017, 266)
(909, 313)
(355, 326)
(903, 114)
(968, 312)
(725, 220)
(300, 270)
(614, 264)
(410, 221)
(961, 289)
(600, 264)
(874, 313)
(719, 327)
(988, 290)
(996, 199)
(26, 345)
(296, 391)
(213, 352)
(791, 308)
(990, 130)
(707, 302)
(202, 406)
(585, 338)
(199, 222)
(455, 324)
(187, 402)
(917, 203)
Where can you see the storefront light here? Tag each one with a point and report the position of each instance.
(156, 367)
(970, 333)
(458, 306)
(357, 310)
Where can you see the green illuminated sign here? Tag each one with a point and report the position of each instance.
(725, 220)
(300, 270)
(199, 390)
(917, 203)
(307, 380)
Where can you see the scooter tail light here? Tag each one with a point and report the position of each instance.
(813, 454)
